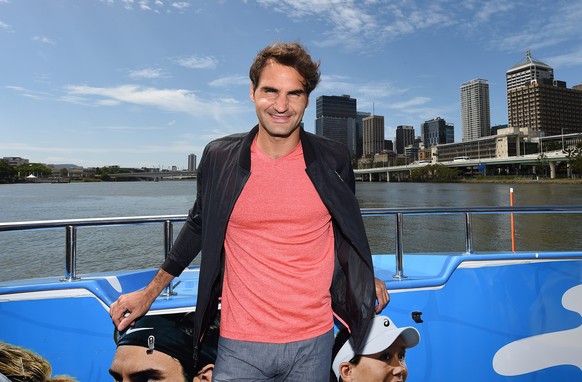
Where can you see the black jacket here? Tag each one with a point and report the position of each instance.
(222, 173)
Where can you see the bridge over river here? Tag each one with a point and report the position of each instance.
(398, 172)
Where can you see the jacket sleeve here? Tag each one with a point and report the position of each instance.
(189, 240)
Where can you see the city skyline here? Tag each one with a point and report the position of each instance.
(145, 83)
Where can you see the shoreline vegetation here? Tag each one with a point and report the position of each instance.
(436, 173)
(478, 179)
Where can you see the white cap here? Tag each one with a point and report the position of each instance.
(381, 334)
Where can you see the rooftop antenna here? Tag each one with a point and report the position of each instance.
(373, 110)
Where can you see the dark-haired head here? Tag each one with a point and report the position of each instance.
(289, 54)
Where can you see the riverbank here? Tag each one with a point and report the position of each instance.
(506, 180)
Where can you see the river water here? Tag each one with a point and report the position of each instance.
(41, 252)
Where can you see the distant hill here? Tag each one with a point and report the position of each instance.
(68, 166)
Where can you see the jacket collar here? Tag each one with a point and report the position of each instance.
(244, 158)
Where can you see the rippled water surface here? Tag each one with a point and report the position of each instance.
(41, 252)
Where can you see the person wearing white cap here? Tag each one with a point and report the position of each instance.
(381, 356)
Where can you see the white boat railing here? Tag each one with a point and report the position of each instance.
(71, 225)
(468, 212)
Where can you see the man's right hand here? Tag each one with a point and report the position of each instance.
(129, 307)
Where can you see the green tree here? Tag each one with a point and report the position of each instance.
(37, 169)
(7, 172)
(552, 146)
(574, 157)
(434, 173)
(543, 164)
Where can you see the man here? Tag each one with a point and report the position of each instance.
(282, 239)
(381, 358)
(159, 348)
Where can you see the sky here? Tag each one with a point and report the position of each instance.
(144, 83)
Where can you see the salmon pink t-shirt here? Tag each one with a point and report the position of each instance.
(279, 256)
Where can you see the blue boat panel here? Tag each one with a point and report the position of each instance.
(74, 334)
(510, 317)
(488, 310)
(68, 323)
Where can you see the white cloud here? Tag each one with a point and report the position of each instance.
(194, 62)
(150, 5)
(564, 60)
(226, 113)
(128, 128)
(181, 5)
(5, 26)
(147, 73)
(338, 85)
(561, 24)
(229, 81)
(44, 40)
(491, 8)
(416, 101)
(29, 93)
(168, 99)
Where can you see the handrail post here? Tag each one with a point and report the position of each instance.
(468, 233)
(399, 252)
(168, 242)
(71, 253)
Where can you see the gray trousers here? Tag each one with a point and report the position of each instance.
(301, 361)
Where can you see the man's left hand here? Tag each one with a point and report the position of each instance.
(381, 295)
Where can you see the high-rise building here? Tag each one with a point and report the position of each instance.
(475, 110)
(191, 162)
(525, 72)
(360, 133)
(437, 131)
(538, 102)
(336, 119)
(404, 137)
(373, 134)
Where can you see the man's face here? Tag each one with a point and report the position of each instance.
(386, 366)
(133, 364)
(280, 100)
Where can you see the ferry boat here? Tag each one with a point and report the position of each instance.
(497, 316)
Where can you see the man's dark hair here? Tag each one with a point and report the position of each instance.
(342, 336)
(289, 54)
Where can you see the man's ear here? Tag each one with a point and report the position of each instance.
(252, 93)
(345, 369)
(205, 374)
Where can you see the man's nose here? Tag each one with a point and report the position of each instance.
(281, 103)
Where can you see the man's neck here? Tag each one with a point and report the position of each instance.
(276, 147)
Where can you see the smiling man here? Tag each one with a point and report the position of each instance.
(282, 238)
